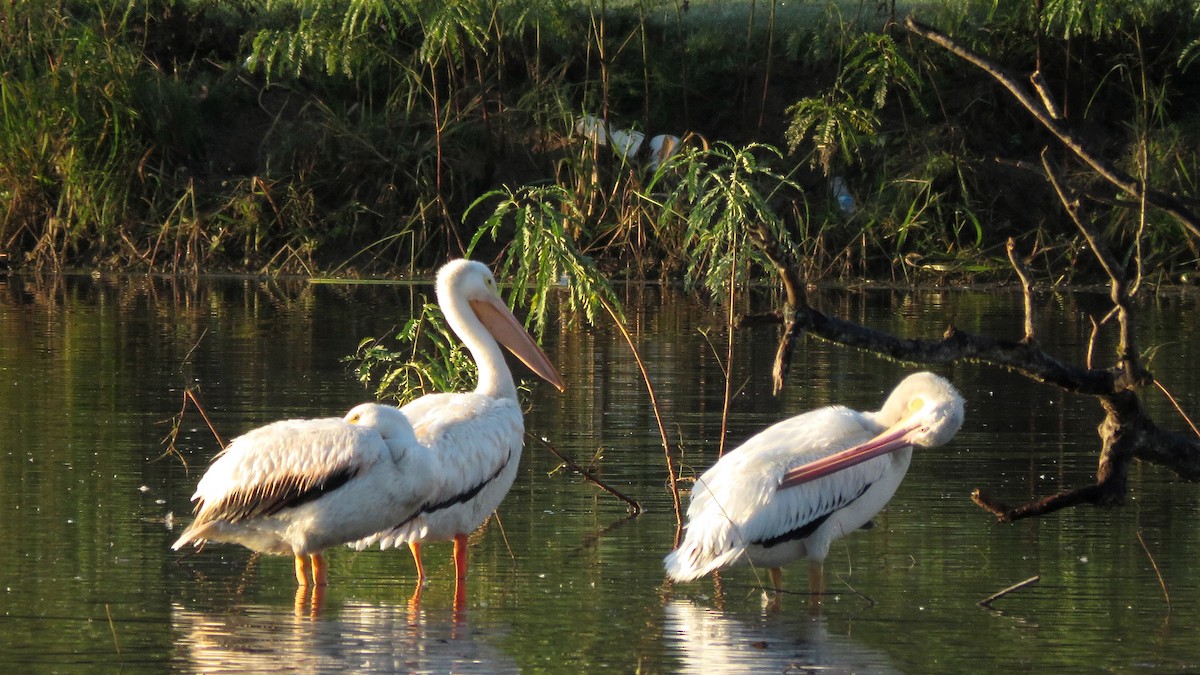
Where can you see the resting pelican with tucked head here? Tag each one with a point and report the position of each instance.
(476, 437)
(792, 489)
(298, 487)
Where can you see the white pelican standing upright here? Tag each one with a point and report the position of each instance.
(299, 487)
(791, 490)
(475, 437)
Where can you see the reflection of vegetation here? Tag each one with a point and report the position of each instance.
(303, 134)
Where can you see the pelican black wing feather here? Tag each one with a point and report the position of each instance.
(267, 499)
(811, 526)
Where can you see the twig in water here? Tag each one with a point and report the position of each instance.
(1157, 573)
(1177, 407)
(662, 430)
(634, 507)
(987, 602)
(503, 535)
(177, 423)
(187, 394)
(113, 627)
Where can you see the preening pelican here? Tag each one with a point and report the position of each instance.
(793, 488)
(298, 487)
(476, 438)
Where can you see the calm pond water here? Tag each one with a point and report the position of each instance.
(92, 372)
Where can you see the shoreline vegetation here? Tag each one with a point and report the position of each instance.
(364, 138)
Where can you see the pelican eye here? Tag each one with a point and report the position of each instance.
(354, 418)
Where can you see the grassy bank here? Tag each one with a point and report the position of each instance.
(353, 138)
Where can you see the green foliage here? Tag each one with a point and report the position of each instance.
(837, 125)
(338, 38)
(1188, 56)
(542, 256)
(306, 135)
(429, 359)
(721, 193)
(846, 116)
(1088, 18)
(68, 145)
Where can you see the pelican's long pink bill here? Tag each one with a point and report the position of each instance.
(509, 332)
(892, 439)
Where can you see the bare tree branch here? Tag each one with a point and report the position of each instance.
(1044, 114)
(1127, 432)
(1026, 288)
(1120, 291)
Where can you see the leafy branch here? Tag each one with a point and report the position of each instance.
(430, 359)
(542, 256)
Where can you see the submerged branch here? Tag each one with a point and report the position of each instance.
(635, 508)
(987, 602)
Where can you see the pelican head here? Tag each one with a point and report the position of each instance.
(924, 410)
(927, 407)
(388, 421)
(468, 278)
(470, 300)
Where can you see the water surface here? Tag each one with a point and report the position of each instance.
(92, 374)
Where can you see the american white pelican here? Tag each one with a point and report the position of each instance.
(793, 488)
(298, 487)
(476, 437)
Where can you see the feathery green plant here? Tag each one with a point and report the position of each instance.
(429, 359)
(722, 191)
(542, 255)
(839, 121)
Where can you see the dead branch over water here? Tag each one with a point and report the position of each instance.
(1045, 111)
(1127, 431)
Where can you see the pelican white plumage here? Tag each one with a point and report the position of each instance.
(791, 490)
(299, 487)
(476, 437)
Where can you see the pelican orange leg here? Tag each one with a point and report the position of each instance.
(311, 570)
(303, 570)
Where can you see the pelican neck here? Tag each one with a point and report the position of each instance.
(495, 379)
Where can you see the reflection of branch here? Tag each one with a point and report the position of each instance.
(1064, 134)
(592, 538)
(634, 507)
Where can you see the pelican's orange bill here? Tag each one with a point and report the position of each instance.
(892, 439)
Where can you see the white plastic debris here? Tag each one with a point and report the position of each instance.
(662, 147)
(593, 129)
(627, 142)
